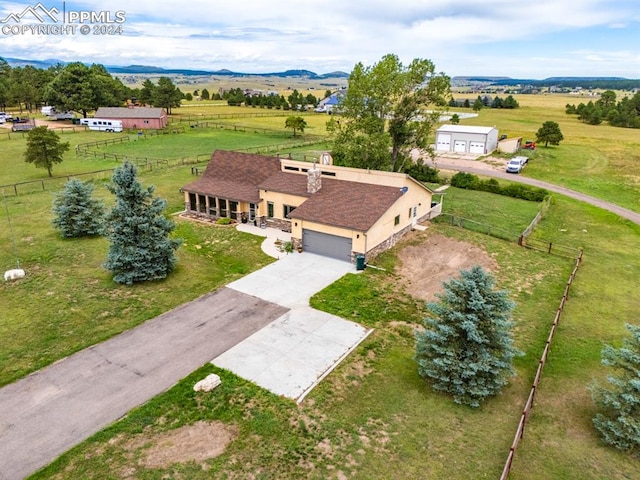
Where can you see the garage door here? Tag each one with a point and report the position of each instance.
(476, 147)
(460, 146)
(327, 245)
(444, 142)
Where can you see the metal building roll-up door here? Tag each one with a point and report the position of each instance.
(444, 142)
(460, 146)
(328, 245)
(476, 147)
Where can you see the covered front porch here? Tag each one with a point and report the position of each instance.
(217, 207)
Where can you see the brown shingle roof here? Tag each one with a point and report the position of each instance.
(125, 112)
(240, 176)
(235, 176)
(283, 182)
(345, 204)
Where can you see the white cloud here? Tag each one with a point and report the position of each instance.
(267, 35)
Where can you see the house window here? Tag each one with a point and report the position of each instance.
(415, 211)
(223, 207)
(270, 209)
(193, 206)
(146, 122)
(252, 211)
(396, 221)
(410, 209)
(202, 204)
(287, 210)
(212, 206)
(233, 208)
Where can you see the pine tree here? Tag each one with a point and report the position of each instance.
(77, 214)
(140, 247)
(467, 347)
(619, 419)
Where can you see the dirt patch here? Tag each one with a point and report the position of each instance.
(198, 442)
(424, 267)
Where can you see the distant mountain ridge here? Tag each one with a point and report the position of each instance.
(495, 80)
(149, 70)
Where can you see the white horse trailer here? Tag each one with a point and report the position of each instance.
(102, 124)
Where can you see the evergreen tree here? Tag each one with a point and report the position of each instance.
(166, 95)
(140, 247)
(619, 419)
(467, 347)
(77, 214)
(44, 148)
(549, 133)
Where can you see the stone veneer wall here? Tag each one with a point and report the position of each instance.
(393, 239)
(284, 225)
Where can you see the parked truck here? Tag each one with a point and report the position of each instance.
(52, 114)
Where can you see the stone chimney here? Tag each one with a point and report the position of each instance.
(314, 179)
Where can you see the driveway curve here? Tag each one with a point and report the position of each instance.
(53, 409)
(468, 167)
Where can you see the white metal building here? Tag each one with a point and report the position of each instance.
(466, 139)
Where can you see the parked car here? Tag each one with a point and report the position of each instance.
(516, 164)
(529, 145)
(4, 117)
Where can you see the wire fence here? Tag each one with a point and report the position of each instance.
(544, 208)
(543, 360)
(228, 116)
(477, 227)
(538, 244)
(11, 135)
(146, 163)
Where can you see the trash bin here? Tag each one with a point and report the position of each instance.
(360, 262)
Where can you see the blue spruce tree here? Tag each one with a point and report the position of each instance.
(467, 349)
(619, 418)
(77, 214)
(141, 248)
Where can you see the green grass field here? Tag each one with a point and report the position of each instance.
(373, 417)
(598, 160)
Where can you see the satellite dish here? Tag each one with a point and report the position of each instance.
(404, 189)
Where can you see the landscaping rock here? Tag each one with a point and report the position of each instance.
(208, 384)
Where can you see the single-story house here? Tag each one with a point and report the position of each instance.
(466, 139)
(510, 145)
(135, 117)
(330, 103)
(330, 210)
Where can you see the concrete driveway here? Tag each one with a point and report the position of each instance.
(278, 341)
(292, 354)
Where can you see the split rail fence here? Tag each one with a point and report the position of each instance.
(543, 360)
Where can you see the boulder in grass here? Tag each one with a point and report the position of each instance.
(208, 384)
(14, 274)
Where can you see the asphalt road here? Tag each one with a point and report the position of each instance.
(53, 409)
(467, 166)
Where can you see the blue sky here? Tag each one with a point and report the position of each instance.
(520, 39)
